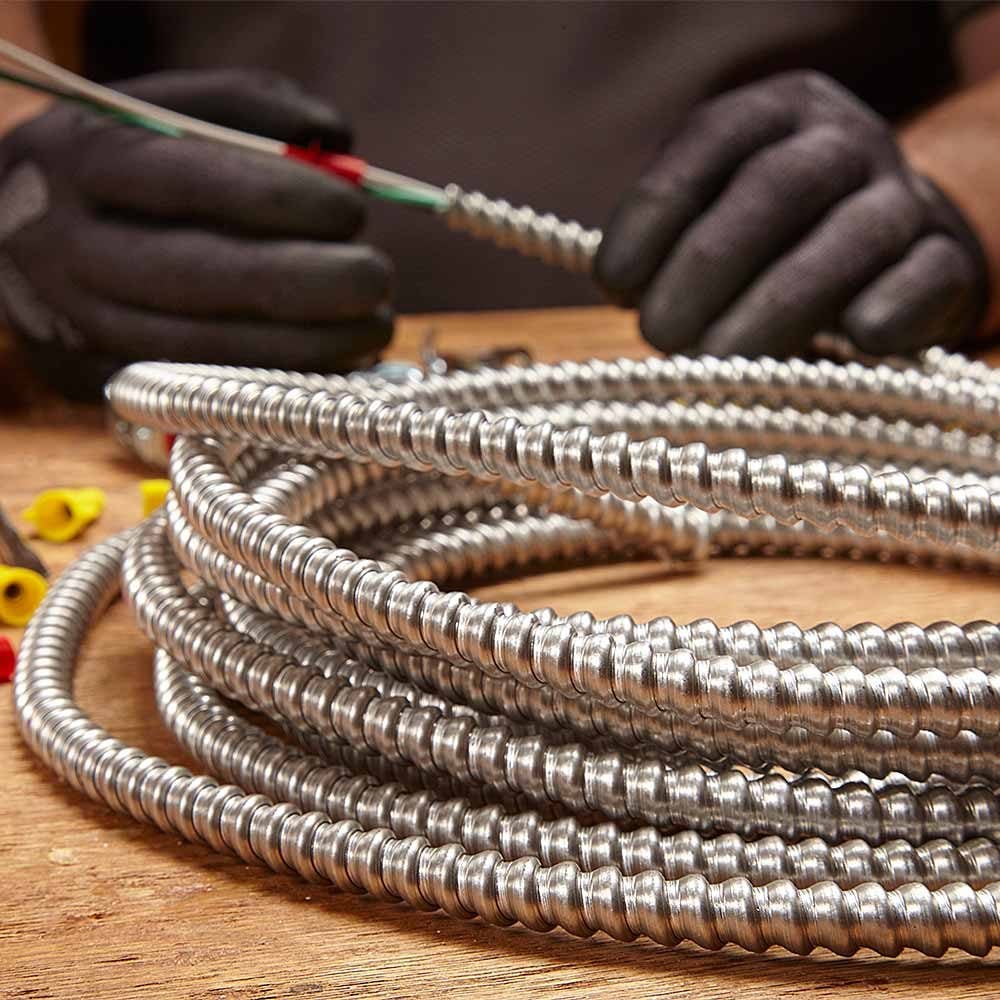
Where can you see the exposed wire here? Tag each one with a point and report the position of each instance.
(105, 97)
(39, 85)
(400, 195)
(48, 78)
(123, 116)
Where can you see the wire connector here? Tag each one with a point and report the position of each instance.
(8, 660)
(59, 515)
(21, 591)
(153, 493)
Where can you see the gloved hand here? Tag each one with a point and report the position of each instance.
(117, 243)
(782, 209)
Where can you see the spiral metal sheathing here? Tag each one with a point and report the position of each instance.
(544, 237)
(823, 787)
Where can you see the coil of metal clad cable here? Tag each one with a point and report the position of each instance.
(823, 787)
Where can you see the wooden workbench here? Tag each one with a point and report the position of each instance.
(94, 905)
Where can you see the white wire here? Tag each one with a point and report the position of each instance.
(79, 87)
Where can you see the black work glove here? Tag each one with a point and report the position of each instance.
(119, 244)
(782, 209)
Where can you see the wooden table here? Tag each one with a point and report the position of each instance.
(94, 905)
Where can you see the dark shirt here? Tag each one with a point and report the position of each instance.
(558, 105)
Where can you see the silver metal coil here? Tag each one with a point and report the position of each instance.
(825, 787)
(545, 237)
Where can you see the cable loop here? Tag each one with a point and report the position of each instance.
(836, 787)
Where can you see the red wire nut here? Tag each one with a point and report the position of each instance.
(8, 660)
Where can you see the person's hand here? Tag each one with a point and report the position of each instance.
(783, 209)
(119, 244)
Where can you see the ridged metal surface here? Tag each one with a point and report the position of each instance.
(829, 786)
(545, 237)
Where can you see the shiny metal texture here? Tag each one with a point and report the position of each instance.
(827, 787)
(545, 237)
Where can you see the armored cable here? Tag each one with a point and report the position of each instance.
(765, 786)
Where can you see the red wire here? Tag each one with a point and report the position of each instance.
(350, 168)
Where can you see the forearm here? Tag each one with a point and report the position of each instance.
(19, 23)
(957, 142)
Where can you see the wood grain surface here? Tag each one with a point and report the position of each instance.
(95, 905)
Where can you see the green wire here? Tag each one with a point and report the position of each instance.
(24, 81)
(125, 116)
(147, 123)
(399, 196)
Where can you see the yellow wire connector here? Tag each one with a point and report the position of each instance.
(60, 515)
(21, 591)
(153, 493)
